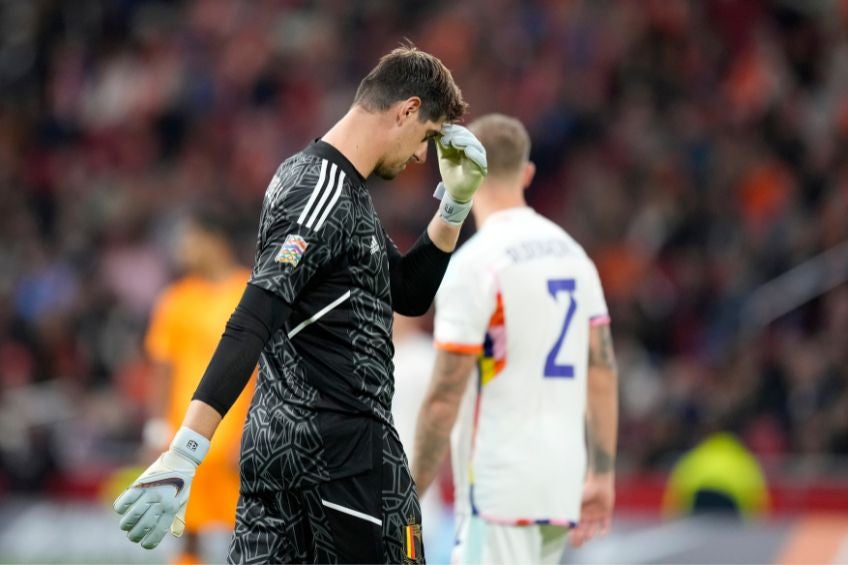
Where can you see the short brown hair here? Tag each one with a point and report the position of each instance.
(407, 72)
(506, 141)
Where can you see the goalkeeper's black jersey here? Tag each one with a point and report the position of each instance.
(326, 378)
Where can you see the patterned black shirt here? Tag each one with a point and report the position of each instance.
(328, 374)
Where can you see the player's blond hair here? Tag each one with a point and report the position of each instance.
(506, 141)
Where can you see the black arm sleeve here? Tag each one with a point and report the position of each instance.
(258, 315)
(416, 276)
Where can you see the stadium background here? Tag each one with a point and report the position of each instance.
(698, 150)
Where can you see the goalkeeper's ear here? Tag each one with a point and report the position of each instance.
(407, 109)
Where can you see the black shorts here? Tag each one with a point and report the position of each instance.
(370, 517)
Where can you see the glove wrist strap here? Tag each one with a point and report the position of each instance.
(450, 210)
(190, 444)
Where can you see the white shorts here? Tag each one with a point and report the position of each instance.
(478, 541)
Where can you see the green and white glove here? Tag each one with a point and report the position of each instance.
(156, 501)
(462, 163)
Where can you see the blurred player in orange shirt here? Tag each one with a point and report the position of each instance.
(185, 327)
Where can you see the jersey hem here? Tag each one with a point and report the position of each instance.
(504, 521)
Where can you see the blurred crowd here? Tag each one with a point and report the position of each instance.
(697, 150)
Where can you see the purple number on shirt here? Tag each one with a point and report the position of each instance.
(552, 368)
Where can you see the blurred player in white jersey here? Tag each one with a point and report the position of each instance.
(413, 360)
(534, 448)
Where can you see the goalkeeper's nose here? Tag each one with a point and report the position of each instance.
(420, 155)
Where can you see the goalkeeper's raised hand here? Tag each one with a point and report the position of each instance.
(462, 163)
(156, 501)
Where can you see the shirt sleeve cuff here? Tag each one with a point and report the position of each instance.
(599, 320)
(466, 348)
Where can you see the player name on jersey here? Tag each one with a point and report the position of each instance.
(528, 250)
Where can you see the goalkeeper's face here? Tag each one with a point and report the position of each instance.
(410, 145)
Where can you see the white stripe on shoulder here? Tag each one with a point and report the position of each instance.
(352, 512)
(339, 186)
(319, 314)
(315, 192)
(325, 194)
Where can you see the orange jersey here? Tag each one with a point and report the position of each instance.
(185, 329)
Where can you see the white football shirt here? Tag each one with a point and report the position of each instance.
(522, 294)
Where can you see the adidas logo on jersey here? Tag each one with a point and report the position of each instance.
(375, 247)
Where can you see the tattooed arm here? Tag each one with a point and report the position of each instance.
(438, 414)
(602, 413)
(602, 435)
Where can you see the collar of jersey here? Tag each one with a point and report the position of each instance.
(326, 151)
(508, 213)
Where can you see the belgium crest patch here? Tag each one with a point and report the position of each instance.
(412, 543)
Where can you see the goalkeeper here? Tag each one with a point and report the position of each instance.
(323, 474)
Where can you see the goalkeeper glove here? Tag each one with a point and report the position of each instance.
(462, 163)
(157, 500)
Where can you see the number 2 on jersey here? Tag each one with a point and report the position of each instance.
(552, 368)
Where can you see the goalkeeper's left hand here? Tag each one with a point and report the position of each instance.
(156, 501)
(463, 165)
(462, 161)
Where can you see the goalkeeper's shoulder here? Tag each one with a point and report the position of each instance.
(308, 193)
